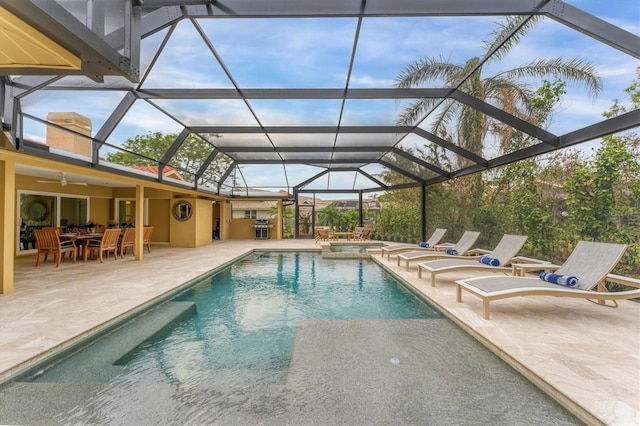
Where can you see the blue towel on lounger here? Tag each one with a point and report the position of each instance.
(487, 260)
(451, 251)
(424, 244)
(566, 280)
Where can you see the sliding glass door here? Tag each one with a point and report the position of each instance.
(38, 210)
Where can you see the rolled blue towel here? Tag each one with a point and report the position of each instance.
(424, 244)
(451, 251)
(487, 260)
(566, 280)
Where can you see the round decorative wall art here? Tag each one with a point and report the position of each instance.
(38, 211)
(182, 210)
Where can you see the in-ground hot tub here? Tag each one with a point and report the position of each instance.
(348, 250)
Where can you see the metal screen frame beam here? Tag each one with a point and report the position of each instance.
(97, 56)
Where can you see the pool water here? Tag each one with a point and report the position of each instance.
(291, 338)
(247, 314)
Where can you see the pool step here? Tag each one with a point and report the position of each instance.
(99, 360)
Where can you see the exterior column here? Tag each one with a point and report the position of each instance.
(139, 244)
(360, 215)
(423, 212)
(279, 223)
(7, 224)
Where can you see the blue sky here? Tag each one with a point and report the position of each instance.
(306, 53)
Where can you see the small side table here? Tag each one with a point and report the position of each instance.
(520, 269)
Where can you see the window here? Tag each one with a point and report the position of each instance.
(125, 209)
(250, 214)
(39, 209)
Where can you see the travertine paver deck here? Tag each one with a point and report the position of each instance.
(586, 355)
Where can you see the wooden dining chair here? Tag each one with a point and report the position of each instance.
(108, 243)
(127, 240)
(146, 237)
(58, 229)
(48, 241)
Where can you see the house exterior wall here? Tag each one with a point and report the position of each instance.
(194, 231)
(159, 212)
(203, 219)
(100, 209)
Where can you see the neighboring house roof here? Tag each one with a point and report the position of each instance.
(367, 203)
(252, 205)
(168, 171)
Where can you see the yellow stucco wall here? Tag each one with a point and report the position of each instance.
(7, 220)
(100, 210)
(225, 218)
(159, 212)
(204, 219)
(195, 231)
(242, 229)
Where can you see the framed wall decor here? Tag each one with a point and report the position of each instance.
(182, 210)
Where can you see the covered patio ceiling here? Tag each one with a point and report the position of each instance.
(303, 96)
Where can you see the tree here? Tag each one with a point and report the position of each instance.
(287, 217)
(340, 220)
(604, 194)
(400, 217)
(523, 195)
(468, 127)
(148, 149)
(329, 216)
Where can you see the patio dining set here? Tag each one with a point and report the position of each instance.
(52, 240)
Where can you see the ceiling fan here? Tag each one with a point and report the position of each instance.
(62, 180)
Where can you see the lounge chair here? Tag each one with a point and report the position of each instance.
(324, 234)
(589, 262)
(462, 247)
(502, 255)
(433, 240)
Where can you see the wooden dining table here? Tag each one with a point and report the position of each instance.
(346, 235)
(80, 240)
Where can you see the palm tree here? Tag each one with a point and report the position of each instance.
(468, 127)
(329, 216)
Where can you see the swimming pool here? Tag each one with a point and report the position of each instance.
(294, 338)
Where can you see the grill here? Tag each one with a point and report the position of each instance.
(262, 227)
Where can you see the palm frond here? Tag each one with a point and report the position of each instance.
(504, 29)
(575, 71)
(424, 70)
(415, 111)
(520, 95)
(445, 117)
